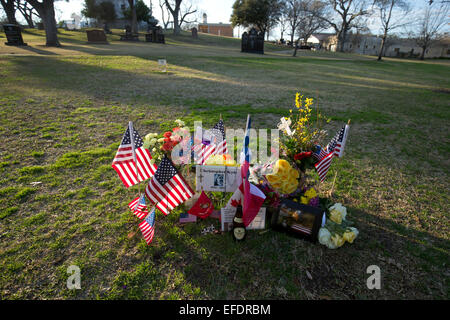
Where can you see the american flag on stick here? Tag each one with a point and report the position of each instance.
(139, 207)
(130, 152)
(167, 189)
(334, 148)
(147, 226)
(217, 144)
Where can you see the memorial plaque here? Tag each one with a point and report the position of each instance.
(13, 35)
(96, 36)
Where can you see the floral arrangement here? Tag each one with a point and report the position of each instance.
(164, 145)
(337, 230)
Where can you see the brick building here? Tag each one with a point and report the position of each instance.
(220, 29)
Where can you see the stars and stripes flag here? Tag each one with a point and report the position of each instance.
(334, 149)
(147, 226)
(167, 189)
(216, 145)
(139, 207)
(337, 144)
(130, 153)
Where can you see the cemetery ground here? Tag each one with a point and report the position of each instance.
(64, 111)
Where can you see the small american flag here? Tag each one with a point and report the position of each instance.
(337, 144)
(320, 153)
(323, 165)
(217, 145)
(147, 226)
(139, 207)
(167, 189)
(125, 161)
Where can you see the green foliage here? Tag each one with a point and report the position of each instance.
(103, 11)
(260, 13)
(143, 13)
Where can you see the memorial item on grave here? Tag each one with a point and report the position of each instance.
(239, 232)
(283, 191)
(283, 178)
(203, 207)
(133, 163)
(300, 220)
(337, 230)
(139, 207)
(147, 226)
(168, 189)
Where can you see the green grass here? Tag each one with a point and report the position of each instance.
(63, 112)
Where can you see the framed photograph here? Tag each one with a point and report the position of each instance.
(217, 178)
(298, 219)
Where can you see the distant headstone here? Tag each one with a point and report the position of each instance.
(129, 36)
(13, 35)
(162, 63)
(194, 33)
(253, 42)
(154, 34)
(96, 36)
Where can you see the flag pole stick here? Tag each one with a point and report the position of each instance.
(130, 126)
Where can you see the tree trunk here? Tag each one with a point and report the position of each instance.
(422, 55)
(46, 11)
(176, 26)
(295, 47)
(383, 42)
(8, 6)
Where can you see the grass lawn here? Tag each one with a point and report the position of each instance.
(63, 112)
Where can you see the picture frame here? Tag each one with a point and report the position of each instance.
(297, 219)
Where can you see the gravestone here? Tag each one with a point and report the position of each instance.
(106, 29)
(129, 36)
(194, 33)
(154, 34)
(13, 35)
(96, 36)
(253, 42)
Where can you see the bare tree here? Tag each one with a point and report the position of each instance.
(392, 14)
(434, 18)
(293, 8)
(309, 21)
(174, 8)
(187, 8)
(343, 15)
(162, 5)
(27, 12)
(10, 10)
(283, 21)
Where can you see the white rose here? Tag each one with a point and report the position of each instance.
(339, 208)
(355, 231)
(324, 236)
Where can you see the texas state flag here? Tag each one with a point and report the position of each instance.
(252, 198)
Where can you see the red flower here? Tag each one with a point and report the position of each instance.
(302, 155)
(167, 134)
(167, 146)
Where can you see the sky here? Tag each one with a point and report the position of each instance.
(216, 10)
